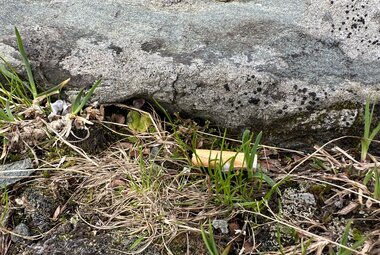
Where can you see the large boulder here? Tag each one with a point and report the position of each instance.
(292, 68)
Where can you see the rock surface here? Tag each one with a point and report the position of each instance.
(292, 68)
(13, 172)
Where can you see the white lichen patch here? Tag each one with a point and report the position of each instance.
(327, 119)
(222, 225)
(297, 204)
(337, 227)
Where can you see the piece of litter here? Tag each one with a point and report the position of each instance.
(213, 158)
(59, 108)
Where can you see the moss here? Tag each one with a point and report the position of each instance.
(319, 190)
(55, 153)
(65, 237)
(13, 157)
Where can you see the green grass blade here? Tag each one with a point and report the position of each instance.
(9, 112)
(345, 238)
(164, 111)
(255, 147)
(227, 250)
(7, 115)
(305, 246)
(367, 119)
(53, 90)
(137, 242)
(268, 180)
(76, 103)
(245, 139)
(375, 131)
(368, 177)
(83, 102)
(257, 141)
(209, 240)
(355, 246)
(9, 74)
(268, 195)
(28, 68)
(368, 136)
(372, 111)
(3, 115)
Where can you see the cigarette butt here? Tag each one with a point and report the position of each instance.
(211, 158)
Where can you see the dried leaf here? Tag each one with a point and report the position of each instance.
(117, 183)
(248, 248)
(118, 118)
(360, 196)
(368, 203)
(347, 209)
(94, 113)
(57, 212)
(125, 145)
(138, 103)
(234, 227)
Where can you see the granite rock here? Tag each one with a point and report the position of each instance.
(292, 68)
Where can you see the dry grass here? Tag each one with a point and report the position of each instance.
(145, 190)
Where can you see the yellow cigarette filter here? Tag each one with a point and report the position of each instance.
(211, 158)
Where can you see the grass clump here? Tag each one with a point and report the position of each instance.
(26, 118)
(368, 135)
(20, 89)
(233, 185)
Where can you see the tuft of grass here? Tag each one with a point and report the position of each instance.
(22, 92)
(368, 136)
(14, 91)
(238, 186)
(21, 100)
(32, 85)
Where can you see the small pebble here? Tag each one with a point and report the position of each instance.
(20, 229)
